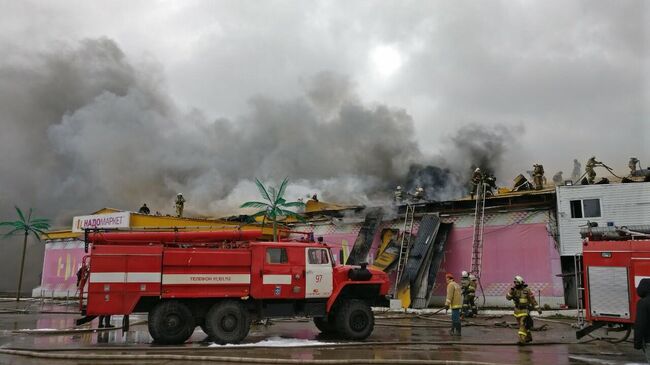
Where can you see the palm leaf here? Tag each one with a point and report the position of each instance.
(29, 216)
(288, 213)
(11, 233)
(254, 204)
(283, 187)
(293, 204)
(259, 214)
(9, 223)
(273, 194)
(40, 220)
(262, 189)
(38, 236)
(41, 225)
(20, 213)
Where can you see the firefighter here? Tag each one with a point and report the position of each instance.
(144, 209)
(453, 302)
(473, 284)
(577, 167)
(398, 194)
(477, 177)
(524, 301)
(180, 204)
(642, 323)
(538, 176)
(632, 165)
(589, 169)
(468, 289)
(557, 178)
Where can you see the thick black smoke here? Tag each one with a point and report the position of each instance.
(83, 128)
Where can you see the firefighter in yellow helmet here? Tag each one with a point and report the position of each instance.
(524, 301)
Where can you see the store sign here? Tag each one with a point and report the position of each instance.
(112, 220)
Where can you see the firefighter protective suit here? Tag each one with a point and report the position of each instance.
(468, 286)
(524, 301)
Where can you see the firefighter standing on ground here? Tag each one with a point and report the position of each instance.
(453, 302)
(468, 286)
(524, 301)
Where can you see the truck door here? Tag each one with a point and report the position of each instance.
(276, 275)
(318, 273)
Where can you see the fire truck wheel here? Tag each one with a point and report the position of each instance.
(325, 325)
(227, 322)
(171, 323)
(354, 320)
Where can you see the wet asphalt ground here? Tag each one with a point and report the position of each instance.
(397, 336)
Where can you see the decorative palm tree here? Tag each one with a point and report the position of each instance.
(276, 206)
(36, 226)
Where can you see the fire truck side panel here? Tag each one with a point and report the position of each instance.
(121, 276)
(278, 271)
(206, 273)
(613, 270)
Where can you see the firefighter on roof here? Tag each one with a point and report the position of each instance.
(398, 194)
(589, 169)
(538, 176)
(632, 165)
(180, 204)
(477, 177)
(468, 286)
(524, 301)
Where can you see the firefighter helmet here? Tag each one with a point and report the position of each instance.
(464, 274)
(519, 280)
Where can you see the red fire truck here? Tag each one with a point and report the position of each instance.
(221, 281)
(614, 262)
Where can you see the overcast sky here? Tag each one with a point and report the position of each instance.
(569, 79)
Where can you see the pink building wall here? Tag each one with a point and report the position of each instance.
(524, 249)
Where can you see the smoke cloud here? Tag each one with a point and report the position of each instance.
(84, 128)
(87, 129)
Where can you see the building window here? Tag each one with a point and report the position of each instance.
(591, 208)
(576, 208)
(587, 208)
(276, 256)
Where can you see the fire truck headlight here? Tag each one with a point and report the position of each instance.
(606, 254)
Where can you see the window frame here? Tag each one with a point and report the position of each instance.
(284, 256)
(583, 214)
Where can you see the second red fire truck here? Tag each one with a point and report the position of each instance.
(221, 281)
(615, 260)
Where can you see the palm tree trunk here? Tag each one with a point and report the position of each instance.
(22, 265)
(275, 231)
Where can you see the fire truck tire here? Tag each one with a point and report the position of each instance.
(325, 325)
(171, 323)
(227, 322)
(354, 320)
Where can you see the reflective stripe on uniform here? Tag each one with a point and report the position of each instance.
(518, 315)
(456, 306)
(522, 333)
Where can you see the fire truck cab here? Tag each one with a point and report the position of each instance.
(613, 266)
(220, 283)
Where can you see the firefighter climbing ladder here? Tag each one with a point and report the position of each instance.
(477, 239)
(405, 242)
